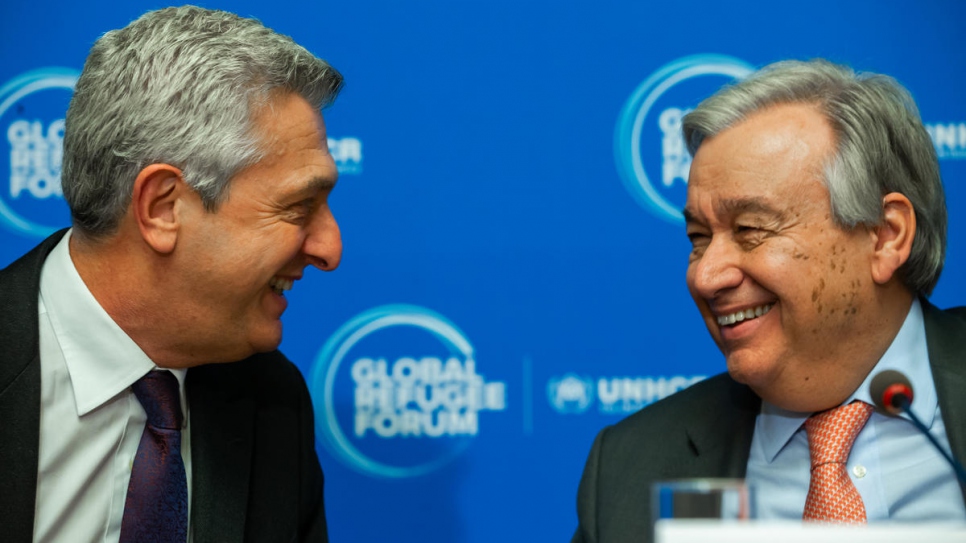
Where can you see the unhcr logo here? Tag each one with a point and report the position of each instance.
(570, 393)
(949, 139)
(651, 155)
(573, 394)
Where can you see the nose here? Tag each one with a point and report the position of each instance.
(715, 270)
(323, 241)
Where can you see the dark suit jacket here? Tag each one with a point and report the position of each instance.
(706, 431)
(255, 473)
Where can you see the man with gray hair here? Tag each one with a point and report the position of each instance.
(140, 373)
(817, 223)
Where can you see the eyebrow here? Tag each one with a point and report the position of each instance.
(322, 182)
(310, 191)
(688, 216)
(737, 206)
(314, 186)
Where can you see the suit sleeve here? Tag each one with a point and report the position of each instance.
(587, 496)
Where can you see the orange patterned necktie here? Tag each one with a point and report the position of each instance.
(831, 495)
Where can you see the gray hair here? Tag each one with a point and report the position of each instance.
(179, 86)
(882, 147)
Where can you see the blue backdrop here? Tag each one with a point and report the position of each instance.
(513, 276)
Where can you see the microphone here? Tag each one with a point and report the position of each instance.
(892, 393)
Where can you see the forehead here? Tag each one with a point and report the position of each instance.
(770, 155)
(295, 161)
(293, 137)
(287, 120)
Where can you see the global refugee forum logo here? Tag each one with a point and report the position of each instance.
(32, 109)
(398, 393)
(651, 155)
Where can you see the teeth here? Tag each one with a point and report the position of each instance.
(747, 314)
(280, 285)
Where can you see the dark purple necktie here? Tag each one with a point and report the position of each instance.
(156, 509)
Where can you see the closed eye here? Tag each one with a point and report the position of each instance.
(697, 237)
(699, 243)
(299, 212)
(750, 236)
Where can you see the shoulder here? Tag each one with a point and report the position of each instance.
(931, 311)
(958, 312)
(20, 283)
(700, 401)
(21, 279)
(712, 419)
(270, 376)
(701, 431)
(943, 325)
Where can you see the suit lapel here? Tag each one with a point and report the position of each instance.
(20, 390)
(222, 426)
(721, 435)
(946, 340)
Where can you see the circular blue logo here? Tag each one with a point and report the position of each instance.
(651, 155)
(32, 108)
(396, 392)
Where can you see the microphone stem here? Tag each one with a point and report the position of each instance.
(957, 467)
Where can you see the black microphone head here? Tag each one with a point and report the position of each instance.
(888, 389)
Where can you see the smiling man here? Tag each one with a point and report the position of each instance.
(142, 394)
(817, 223)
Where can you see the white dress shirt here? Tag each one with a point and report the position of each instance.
(898, 473)
(90, 420)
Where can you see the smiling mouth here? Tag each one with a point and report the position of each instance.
(279, 285)
(745, 315)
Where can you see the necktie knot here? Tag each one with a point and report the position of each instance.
(831, 433)
(160, 395)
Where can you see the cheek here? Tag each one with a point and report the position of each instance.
(837, 286)
(800, 278)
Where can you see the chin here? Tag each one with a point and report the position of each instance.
(265, 345)
(266, 339)
(747, 372)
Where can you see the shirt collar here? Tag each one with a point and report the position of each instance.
(102, 360)
(907, 354)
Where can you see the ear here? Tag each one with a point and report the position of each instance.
(893, 237)
(155, 201)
